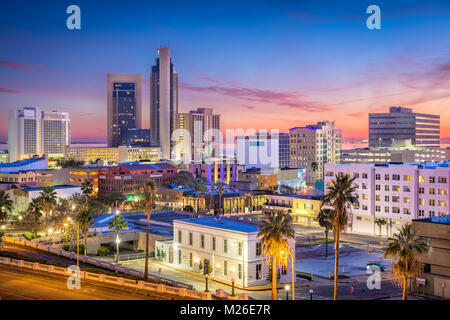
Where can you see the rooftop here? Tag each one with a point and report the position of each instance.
(438, 219)
(20, 163)
(223, 223)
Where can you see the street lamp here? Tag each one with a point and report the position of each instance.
(232, 287)
(206, 279)
(287, 291)
(311, 292)
(20, 223)
(117, 249)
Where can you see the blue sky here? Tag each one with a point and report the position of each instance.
(261, 64)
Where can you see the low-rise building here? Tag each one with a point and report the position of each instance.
(113, 155)
(218, 171)
(393, 154)
(125, 178)
(435, 277)
(394, 192)
(263, 178)
(304, 209)
(21, 197)
(224, 248)
(26, 176)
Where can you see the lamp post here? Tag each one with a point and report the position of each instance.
(287, 291)
(117, 249)
(20, 223)
(311, 293)
(206, 279)
(78, 245)
(232, 287)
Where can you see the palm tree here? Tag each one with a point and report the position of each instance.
(275, 232)
(220, 189)
(6, 205)
(341, 195)
(324, 217)
(380, 223)
(403, 248)
(34, 214)
(117, 223)
(199, 186)
(85, 220)
(149, 197)
(87, 188)
(48, 198)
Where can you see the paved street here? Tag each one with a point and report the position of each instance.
(22, 284)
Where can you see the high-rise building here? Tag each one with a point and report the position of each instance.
(163, 101)
(124, 110)
(387, 129)
(263, 150)
(203, 126)
(313, 146)
(32, 131)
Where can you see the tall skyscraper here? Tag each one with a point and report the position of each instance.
(200, 124)
(32, 131)
(400, 124)
(313, 146)
(124, 106)
(163, 102)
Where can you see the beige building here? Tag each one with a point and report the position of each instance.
(435, 277)
(111, 155)
(19, 176)
(313, 146)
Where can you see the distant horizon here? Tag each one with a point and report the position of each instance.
(270, 65)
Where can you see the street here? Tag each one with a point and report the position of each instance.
(22, 284)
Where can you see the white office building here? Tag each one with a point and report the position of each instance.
(32, 131)
(394, 192)
(225, 248)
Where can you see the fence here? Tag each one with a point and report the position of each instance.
(183, 289)
(119, 281)
(92, 261)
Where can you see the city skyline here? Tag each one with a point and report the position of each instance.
(348, 70)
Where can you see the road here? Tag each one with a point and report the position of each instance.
(23, 284)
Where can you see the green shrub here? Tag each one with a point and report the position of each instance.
(66, 247)
(102, 251)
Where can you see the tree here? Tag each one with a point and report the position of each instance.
(380, 223)
(220, 190)
(199, 187)
(34, 215)
(85, 220)
(275, 232)
(87, 188)
(149, 197)
(184, 178)
(324, 217)
(48, 198)
(116, 224)
(341, 195)
(6, 206)
(403, 248)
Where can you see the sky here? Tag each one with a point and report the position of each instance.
(260, 64)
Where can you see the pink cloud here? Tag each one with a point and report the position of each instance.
(11, 91)
(248, 107)
(290, 99)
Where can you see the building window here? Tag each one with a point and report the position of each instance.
(190, 238)
(258, 271)
(377, 208)
(377, 197)
(214, 243)
(386, 198)
(258, 248)
(442, 179)
(396, 188)
(432, 191)
(225, 246)
(190, 259)
(377, 176)
(386, 188)
(179, 236)
(431, 202)
(386, 177)
(179, 256)
(377, 187)
(240, 271)
(202, 241)
(386, 209)
(240, 248)
(225, 268)
(431, 179)
(421, 213)
(421, 190)
(396, 177)
(406, 178)
(364, 175)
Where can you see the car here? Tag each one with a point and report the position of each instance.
(376, 265)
